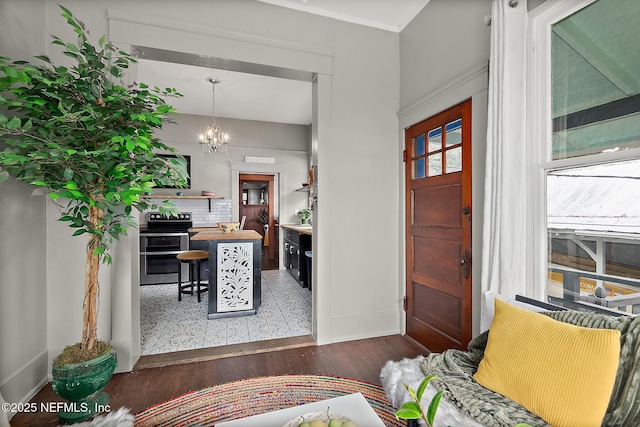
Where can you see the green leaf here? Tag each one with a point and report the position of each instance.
(433, 406)
(409, 411)
(79, 232)
(422, 387)
(10, 72)
(13, 124)
(68, 174)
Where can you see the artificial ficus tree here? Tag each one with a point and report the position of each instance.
(86, 137)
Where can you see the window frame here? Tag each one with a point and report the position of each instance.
(539, 127)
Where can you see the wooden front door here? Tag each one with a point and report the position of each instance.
(438, 229)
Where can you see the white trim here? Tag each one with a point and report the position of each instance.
(171, 24)
(455, 91)
(161, 33)
(16, 383)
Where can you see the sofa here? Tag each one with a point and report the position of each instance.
(480, 390)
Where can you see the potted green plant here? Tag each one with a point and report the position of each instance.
(413, 409)
(304, 215)
(86, 138)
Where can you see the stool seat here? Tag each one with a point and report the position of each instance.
(193, 258)
(193, 255)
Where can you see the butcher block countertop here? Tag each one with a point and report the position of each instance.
(198, 229)
(214, 234)
(300, 228)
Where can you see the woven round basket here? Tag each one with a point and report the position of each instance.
(312, 416)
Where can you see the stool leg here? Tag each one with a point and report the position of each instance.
(198, 278)
(179, 280)
(191, 275)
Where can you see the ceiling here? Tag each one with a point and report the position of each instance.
(249, 96)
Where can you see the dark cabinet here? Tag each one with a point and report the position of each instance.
(295, 245)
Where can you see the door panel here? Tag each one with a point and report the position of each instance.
(437, 260)
(438, 232)
(438, 203)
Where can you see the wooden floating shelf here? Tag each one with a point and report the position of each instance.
(169, 196)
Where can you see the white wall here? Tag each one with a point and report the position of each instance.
(287, 144)
(23, 293)
(444, 53)
(358, 219)
(357, 156)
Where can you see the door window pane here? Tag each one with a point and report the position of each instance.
(418, 145)
(435, 164)
(454, 160)
(454, 133)
(435, 140)
(418, 168)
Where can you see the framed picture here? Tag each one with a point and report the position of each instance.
(186, 164)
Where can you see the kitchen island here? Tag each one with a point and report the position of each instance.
(235, 272)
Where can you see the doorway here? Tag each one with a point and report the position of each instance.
(257, 206)
(438, 229)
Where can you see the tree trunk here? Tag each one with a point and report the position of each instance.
(91, 286)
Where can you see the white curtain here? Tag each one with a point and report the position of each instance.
(504, 229)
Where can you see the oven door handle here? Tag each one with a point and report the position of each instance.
(146, 254)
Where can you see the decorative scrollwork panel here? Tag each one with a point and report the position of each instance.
(235, 276)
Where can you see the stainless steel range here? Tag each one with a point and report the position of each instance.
(163, 239)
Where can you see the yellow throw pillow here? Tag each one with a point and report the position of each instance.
(561, 372)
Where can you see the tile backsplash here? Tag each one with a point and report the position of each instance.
(199, 208)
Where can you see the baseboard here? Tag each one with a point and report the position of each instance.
(23, 385)
(371, 325)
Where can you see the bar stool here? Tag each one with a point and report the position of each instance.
(193, 258)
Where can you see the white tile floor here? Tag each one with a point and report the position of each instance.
(167, 324)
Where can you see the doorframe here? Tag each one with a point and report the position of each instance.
(131, 30)
(471, 84)
(270, 179)
(278, 170)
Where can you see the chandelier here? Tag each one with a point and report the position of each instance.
(214, 140)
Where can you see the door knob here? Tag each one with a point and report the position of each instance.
(465, 263)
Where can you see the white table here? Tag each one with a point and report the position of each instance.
(354, 406)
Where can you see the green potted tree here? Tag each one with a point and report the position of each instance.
(85, 137)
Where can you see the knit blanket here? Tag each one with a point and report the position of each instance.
(455, 370)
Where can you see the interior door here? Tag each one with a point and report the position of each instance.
(438, 229)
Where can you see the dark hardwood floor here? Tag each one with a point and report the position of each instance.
(137, 390)
(268, 263)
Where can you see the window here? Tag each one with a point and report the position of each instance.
(439, 151)
(590, 164)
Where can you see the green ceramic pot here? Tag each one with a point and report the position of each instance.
(81, 384)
